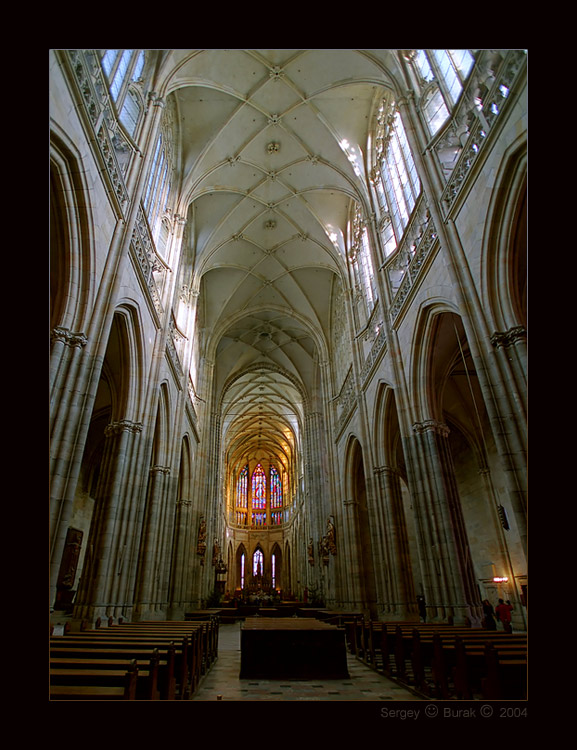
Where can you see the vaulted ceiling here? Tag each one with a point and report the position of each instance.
(273, 150)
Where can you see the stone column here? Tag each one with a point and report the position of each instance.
(150, 569)
(100, 571)
(450, 587)
(74, 380)
(511, 352)
(397, 588)
(350, 556)
(492, 377)
(184, 545)
(64, 363)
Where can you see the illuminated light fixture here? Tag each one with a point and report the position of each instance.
(500, 579)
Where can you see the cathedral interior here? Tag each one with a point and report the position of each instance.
(288, 329)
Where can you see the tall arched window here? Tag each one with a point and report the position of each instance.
(157, 193)
(242, 570)
(361, 262)
(258, 563)
(242, 497)
(122, 69)
(441, 75)
(396, 180)
(258, 498)
(276, 501)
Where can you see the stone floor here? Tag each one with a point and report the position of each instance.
(223, 682)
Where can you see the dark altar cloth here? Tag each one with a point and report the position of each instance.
(291, 648)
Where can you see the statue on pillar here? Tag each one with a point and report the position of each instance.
(311, 552)
(324, 550)
(215, 552)
(331, 536)
(201, 543)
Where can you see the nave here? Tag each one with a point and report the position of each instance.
(288, 333)
(223, 681)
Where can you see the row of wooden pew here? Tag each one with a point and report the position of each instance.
(133, 661)
(444, 661)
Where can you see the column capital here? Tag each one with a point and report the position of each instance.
(509, 338)
(123, 425)
(159, 470)
(66, 336)
(391, 470)
(431, 425)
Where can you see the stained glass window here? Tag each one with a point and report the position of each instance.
(259, 488)
(242, 489)
(275, 489)
(273, 570)
(258, 563)
(242, 571)
(259, 519)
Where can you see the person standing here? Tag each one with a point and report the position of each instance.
(503, 612)
(489, 614)
(421, 603)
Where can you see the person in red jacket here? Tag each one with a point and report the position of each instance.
(503, 612)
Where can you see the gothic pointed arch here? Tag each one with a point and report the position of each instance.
(127, 326)
(276, 567)
(287, 577)
(162, 436)
(362, 561)
(504, 262)
(241, 567)
(71, 245)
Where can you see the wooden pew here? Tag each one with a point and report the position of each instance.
(506, 674)
(196, 655)
(442, 660)
(106, 653)
(126, 689)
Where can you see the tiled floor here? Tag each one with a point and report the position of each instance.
(223, 680)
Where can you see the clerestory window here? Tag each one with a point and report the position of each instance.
(441, 75)
(395, 177)
(241, 505)
(123, 68)
(362, 264)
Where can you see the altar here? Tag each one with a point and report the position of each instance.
(292, 648)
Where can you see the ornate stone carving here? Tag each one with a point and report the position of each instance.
(431, 425)
(201, 540)
(509, 338)
(331, 536)
(276, 73)
(159, 470)
(67, 337)
(324, 550)
(123, 425)
(311, 552)
(215, 553)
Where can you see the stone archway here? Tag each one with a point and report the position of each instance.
(361, 571)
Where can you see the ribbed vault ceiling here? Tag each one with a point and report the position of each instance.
(273, 145)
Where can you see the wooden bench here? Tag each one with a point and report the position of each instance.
(195, 647)
(123, 689)
(157, 666)
(442, 660)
